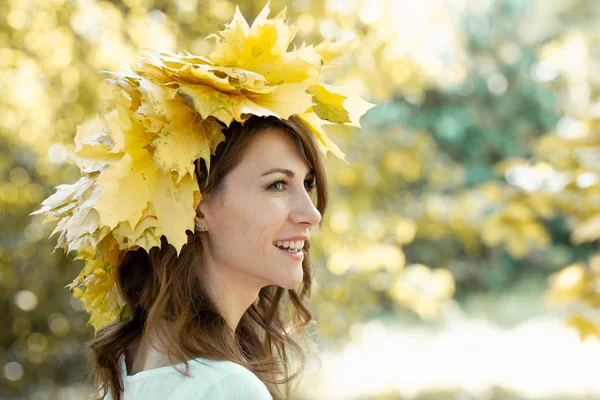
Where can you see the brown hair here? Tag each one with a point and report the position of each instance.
(166, 297)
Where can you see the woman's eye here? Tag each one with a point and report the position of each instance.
(309, 185)
(277, 186)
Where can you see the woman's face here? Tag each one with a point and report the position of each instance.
(265, 205)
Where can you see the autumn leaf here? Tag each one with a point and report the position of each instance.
(207, 102)
(65, 198)
(262, 48)
(95, 285)
(315, 124)
(125, 188)
(329, 51)
(230, 41)
(124, 131)
(142, 235)
(328, 105)
(328, 99)
(246, 80)
(184, 139)
(175, 206)
(285, 101)
(214, 132)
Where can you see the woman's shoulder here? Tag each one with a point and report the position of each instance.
(228, 380)
(221, 369)
(205, 379)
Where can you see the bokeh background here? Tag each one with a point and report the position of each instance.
(460, 255)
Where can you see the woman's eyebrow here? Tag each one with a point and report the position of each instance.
(285, 171)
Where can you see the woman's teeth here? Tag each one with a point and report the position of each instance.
(290, 246)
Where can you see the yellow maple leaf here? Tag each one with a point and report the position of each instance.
(144, 234)
(71, 204)
(225, 107)
(285, 101)
(328, 105)
(175, 206)
(85, 220)
(315, 124)
(129, 238)
(87, 244)
(154, 97)
(150, 123)
(200, 74)
(124, 131)
(354, 106)
(301, 65)
(65, 198)
(246, 80)
(262, 48)
(95, 285)
(125, 188)
(93, 146)
(184, 139)
(233, 36)
(147, 240)
(330, 51)
(92, 133)
(107, 313)
(214, 132)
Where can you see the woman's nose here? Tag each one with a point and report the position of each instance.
(305, 211)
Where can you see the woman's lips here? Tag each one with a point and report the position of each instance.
(297, 255)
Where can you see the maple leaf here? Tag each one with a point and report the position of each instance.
(328, 105)
(132, 178)
(93, 146)
(143, 235)
(184, 139)
(315, 125)
(330, 51)
(72, 205)
(125, 132)
(262, 48)
(225, 107)
(338, 105)
(285, 101)
(175, 206)
(95, 285)
(246, 80)
(237, 30)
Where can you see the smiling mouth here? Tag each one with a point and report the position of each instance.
(290, 246)
(289, 250)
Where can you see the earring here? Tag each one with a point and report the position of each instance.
(199, 226)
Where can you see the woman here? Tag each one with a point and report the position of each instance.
(226, 146)
(227, 287)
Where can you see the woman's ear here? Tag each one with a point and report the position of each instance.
(200, 221)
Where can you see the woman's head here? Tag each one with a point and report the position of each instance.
(260, 205)
(258, 192)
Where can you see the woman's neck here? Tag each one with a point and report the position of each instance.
(141, 356)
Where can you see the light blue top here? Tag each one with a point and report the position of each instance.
(208, 380)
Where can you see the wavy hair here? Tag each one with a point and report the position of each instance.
(168, 301)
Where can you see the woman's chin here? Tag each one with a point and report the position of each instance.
(290, 282)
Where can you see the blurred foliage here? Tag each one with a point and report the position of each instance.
(480, 166)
